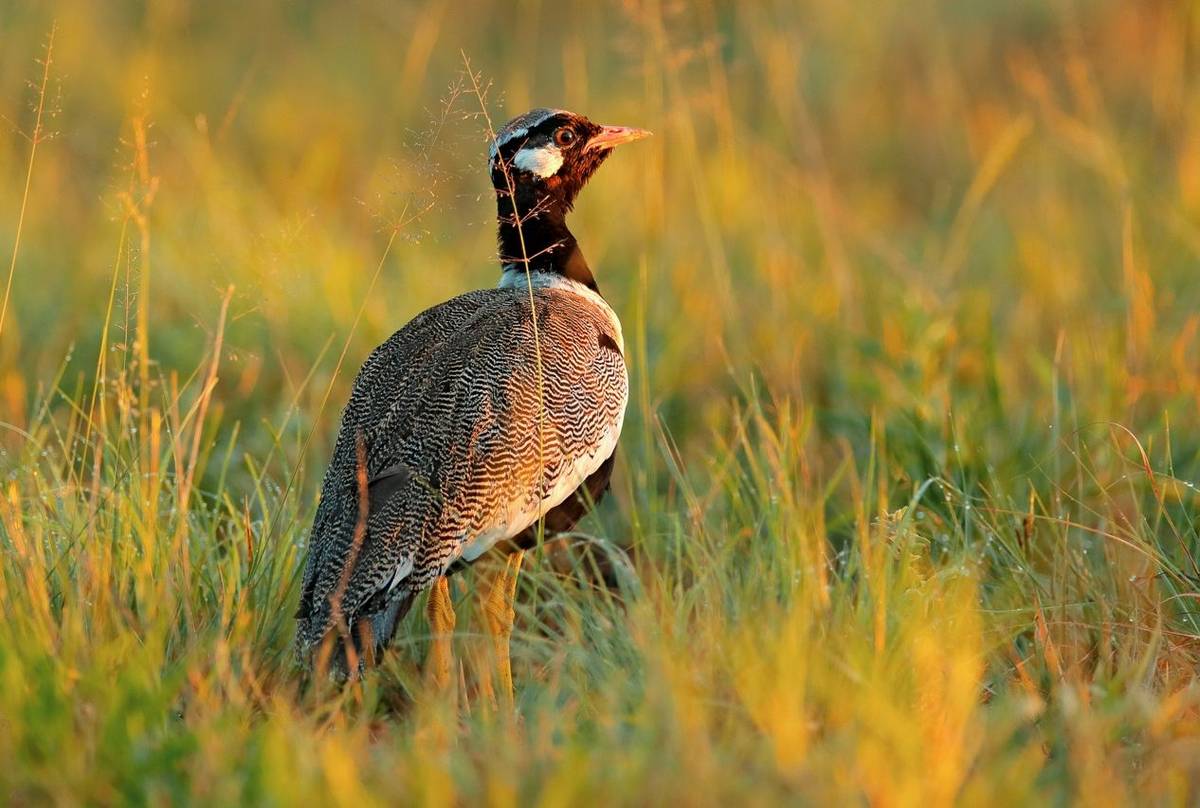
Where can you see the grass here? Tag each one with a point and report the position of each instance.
(908, 478)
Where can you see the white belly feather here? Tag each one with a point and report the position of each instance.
(521, 514)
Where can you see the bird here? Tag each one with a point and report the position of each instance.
(487, 422)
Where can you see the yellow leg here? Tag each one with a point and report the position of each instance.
(499, 614)
(441, 622)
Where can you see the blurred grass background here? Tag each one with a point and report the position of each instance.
(909, 473)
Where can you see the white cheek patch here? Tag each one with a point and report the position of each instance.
(541, 162)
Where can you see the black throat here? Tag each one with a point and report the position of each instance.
(538, 237)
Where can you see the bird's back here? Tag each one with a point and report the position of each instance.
(462, 430)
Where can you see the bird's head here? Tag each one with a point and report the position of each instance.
(547, 155)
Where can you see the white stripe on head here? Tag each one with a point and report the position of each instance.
(503, 138)
(541, 162)
(520, 128)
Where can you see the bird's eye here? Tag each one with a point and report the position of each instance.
(564, 136)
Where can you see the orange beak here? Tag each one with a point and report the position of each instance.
(611, 136)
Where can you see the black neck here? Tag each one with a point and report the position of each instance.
(539, 238)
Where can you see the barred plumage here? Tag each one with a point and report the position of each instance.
(452, 442)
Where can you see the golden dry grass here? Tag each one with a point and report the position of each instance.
(909, 473)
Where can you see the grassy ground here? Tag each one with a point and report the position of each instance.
(909, 474)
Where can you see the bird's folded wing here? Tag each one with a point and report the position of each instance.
(461, 432)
